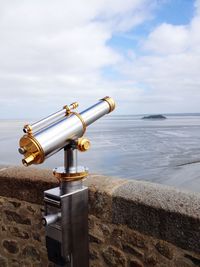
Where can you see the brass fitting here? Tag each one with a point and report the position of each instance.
(27, 129)
(32, 150)
(110, 102)
(70, 107)
(83, 144)
(28, 160)
(73, 105)
(69, 177)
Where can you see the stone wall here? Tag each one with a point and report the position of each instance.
(131, 223)
(22, 235)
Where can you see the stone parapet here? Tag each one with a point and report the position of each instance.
(131, 223)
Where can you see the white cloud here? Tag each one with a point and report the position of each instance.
(55, 50)
(168, 68)
(168, 39)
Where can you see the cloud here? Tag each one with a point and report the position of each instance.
(53, 50)
(168, 67)
(174, 39)
(53, 53)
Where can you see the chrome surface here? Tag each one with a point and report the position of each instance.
(95, 112)
(46, 137)
(58, 135)
(67, 235)
(70, 158)
(41, 124)
(71, 170)
(68, 187)
(67, 239)
(52, 202)
(51, 218)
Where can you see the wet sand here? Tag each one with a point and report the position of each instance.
(161, 151)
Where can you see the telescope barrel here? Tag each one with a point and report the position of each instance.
(49, 140)
(95, 112)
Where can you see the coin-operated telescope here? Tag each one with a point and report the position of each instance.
(66, 206)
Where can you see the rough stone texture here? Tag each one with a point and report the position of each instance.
(122, 246)
(10, 246)
(19, 245)
(26, 183)
(131, 224)
(100, 195)
(164, 212)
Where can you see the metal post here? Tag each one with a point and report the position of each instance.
(67, 208)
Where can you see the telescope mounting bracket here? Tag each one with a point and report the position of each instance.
(71, 171)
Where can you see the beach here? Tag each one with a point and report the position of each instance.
(160, 151)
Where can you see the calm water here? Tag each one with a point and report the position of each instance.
(126, 146)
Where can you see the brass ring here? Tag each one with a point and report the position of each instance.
(70, 176)
(40, 148)
(110, 102)
(81, 119)
(34, 149)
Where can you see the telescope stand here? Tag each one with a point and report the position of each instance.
(66, 214)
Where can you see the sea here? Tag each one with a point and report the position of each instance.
(127, 146)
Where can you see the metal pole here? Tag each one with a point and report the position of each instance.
(78, 208)
(68, 237)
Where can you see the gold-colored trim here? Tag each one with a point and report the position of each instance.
(81, 119)
(83, 144)
(68, 111)
(42, 156)
(110, 102)
(70, 176)
(29, 160)
(74, 105)
(70, 107)
(28, 128)
(34, 152)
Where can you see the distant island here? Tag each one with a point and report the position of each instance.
(158, 117)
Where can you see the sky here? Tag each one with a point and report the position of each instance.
(143, 53)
